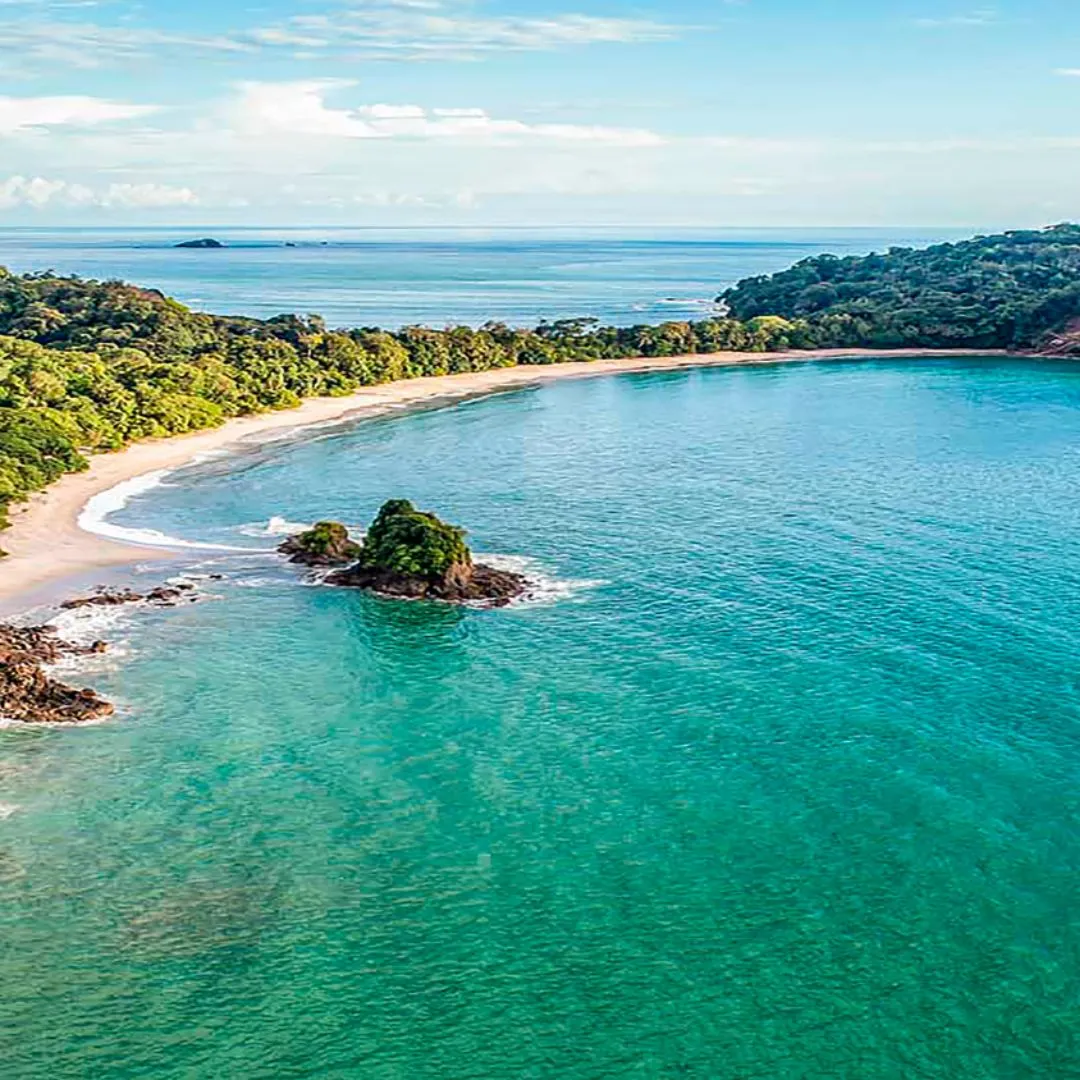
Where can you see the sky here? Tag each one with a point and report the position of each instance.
(731, 113)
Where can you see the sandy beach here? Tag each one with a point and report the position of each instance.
(46, 545)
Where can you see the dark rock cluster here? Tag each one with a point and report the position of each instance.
(28, 694)
(164, 596)
(461, 585)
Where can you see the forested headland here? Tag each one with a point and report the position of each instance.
(93, 365)
(1019, 290)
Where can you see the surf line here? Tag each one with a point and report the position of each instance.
(94, 517)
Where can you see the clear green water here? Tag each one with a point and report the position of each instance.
(785, 786)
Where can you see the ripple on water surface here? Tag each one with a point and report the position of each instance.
(786, 788)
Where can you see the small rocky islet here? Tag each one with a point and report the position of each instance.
(324, 544)
(206, 243)
(408, 554)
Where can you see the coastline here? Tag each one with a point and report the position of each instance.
(46, 545)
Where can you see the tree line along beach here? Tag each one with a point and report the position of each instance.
(97, 366)
(786, 712)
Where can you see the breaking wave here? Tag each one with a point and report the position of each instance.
(544, 589)
(276, 526)
(94, 517)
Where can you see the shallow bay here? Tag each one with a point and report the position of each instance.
(777, 778)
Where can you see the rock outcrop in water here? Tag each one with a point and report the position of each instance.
(28, 694)
(164, 596)
(412, 554)
(326, 544)
(206, 242)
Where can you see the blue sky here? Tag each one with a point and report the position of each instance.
(689, 112)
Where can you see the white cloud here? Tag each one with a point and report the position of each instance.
(421, 31)
(29, 45)
(458, 112)
(147, 196)
(37, 36)
(38, 192)
(971, 18)
(20, 191)
(299, 108)
(29, 113)
(393, 112)
(296, 107)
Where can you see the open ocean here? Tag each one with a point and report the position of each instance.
(399, 277)
(777, 776)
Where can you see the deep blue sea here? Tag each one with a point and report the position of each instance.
(398, 277)
(777, 776)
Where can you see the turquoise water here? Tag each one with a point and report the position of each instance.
(395, 277)
(779, 780)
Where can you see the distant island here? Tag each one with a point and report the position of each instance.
(407, 553)
(94, 365)
(205, 242)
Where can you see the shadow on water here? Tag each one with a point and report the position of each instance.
(409, 633)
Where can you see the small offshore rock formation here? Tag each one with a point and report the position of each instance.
(28, 694)
(205, 242)
(326, 544)
(412, 554)
(164, 596)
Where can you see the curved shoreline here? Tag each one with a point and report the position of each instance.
(45, 543)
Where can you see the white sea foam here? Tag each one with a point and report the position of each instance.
(94, 517)
(226, 570)
(186, 578)
(544, 589)
(696, 301)
(255, 582)
(7, 809)
(315, 428)
(317, 575)
(112, 623)
(86, 625)
(196, 586)
(269, 438)
(281, 526)
(209, 455)
(276, 526)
